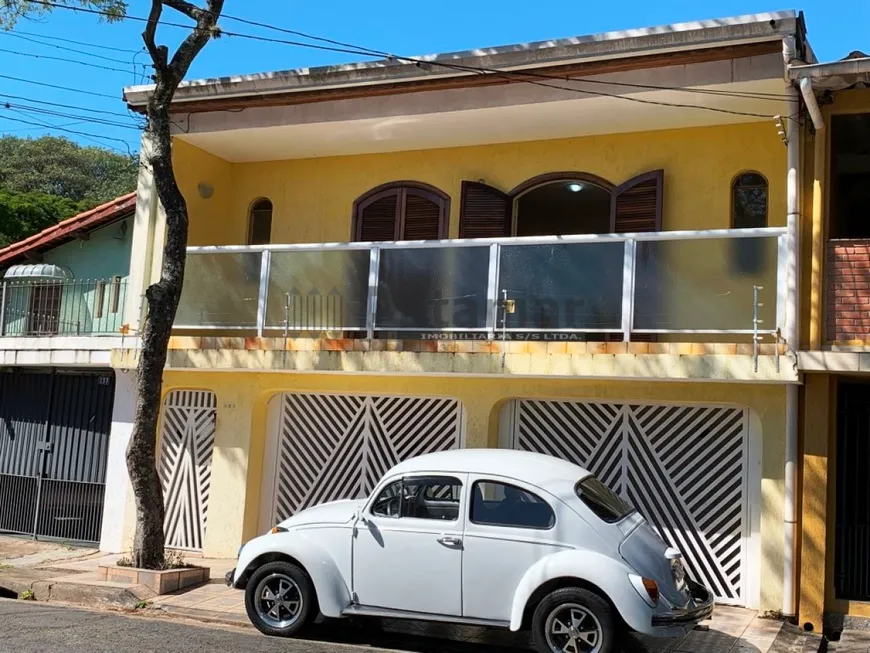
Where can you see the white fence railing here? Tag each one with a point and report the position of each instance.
(692, 282)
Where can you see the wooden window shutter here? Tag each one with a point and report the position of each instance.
(485, 212)
(423, 215)
(636, 205)
(376, 218)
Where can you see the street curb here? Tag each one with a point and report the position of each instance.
(47, 587)
(207, 616)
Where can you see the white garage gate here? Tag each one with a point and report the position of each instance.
(324, 447)
(684, 467)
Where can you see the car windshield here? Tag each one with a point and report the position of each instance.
(601, 500)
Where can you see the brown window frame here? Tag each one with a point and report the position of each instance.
(401, 190)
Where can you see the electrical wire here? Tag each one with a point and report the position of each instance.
(63, 40)
(59, 114)
(87, 135)
(64, 60)
(66, 49)
(59, 88)
(65, 106)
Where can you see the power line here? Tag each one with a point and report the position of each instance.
(59, 114)
(59, 88)
(506, 74)
(82, 43)
(66, 49)
(65, 106)
(75, 132)
(64, 60)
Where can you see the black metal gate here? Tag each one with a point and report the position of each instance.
(54, 442)
(852, 548)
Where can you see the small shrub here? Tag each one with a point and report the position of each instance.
(171, 560)
(125, 562)
(27, 595)
(141, 605)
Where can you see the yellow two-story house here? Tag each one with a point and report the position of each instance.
(587, 247)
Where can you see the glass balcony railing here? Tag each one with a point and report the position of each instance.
(704, 282)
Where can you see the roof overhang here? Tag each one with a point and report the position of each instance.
(834, 75)
(674, 41)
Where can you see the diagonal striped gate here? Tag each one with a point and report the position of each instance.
(338, 446)
(186, 447)
(683, 467)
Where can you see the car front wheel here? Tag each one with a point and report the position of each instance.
(280, 599)
(574, 620)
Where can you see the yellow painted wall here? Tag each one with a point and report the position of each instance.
(243, 397)
(313, 197)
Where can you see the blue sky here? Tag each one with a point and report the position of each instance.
(411, 28)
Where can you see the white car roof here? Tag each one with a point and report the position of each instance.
(535, 468)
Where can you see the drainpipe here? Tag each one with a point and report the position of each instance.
(790, 333)
(806, 86)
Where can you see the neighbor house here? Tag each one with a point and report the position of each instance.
(835, 358)
(587, 247)
(63, 297)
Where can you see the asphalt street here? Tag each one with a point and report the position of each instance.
(27, 627)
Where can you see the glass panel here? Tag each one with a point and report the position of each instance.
(570, 286)
(221, 290)
(318, 291)
(501, 504)
(705, 285)
(435, 288)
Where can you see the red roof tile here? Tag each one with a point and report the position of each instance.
(66, 230)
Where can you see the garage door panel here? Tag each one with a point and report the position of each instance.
(332, 446)
(682, 466)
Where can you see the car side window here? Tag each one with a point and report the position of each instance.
(420, 497)
(501, 504)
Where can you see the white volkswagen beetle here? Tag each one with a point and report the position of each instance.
(488, 537)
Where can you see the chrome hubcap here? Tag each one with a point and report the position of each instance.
(279, 600)
(571, 628)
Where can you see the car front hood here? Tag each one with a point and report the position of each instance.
(334, 512)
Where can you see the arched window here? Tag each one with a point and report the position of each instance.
(749, 201)
(403, 210)
(260, 223)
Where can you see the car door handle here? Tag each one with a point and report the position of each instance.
(447, 540)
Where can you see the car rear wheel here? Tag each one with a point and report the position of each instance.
(574, 620)
(280, 599)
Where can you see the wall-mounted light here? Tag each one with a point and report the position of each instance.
(205, 190)
(575, 187)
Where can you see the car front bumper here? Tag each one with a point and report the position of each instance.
(688, 617)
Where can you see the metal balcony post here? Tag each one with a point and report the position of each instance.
(372, 303)
(3, 311)
(262, 298)
(628, 288)
(492, 290)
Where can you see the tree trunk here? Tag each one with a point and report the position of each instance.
(162, 297)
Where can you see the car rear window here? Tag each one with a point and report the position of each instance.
(601, 500)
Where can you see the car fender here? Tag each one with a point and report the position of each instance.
(332, 592)
(609, 575)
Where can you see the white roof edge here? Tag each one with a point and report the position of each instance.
(608, 45)
(858, 66)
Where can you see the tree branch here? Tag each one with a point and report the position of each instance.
(188, 9)
(206, 28)
(158, 55)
